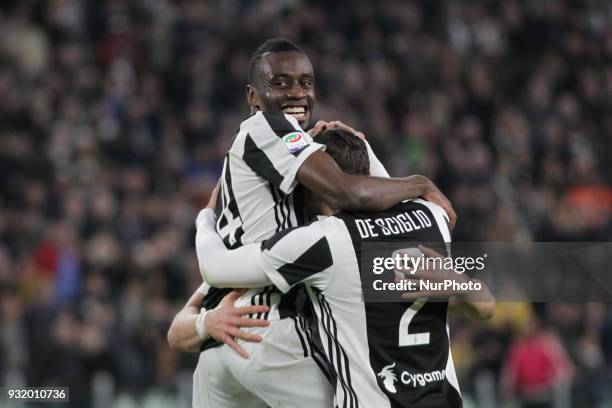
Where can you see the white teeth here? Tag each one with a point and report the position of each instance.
(294, 109)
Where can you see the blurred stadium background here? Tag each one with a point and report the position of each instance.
(114, 117)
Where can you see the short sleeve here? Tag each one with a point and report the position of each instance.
(297, 255)
(275, 147)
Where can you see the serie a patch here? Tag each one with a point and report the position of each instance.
(295, 141)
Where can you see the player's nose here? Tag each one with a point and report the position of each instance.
(295, 91)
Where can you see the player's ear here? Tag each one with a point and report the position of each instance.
(251, 96)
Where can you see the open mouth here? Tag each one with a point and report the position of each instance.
(298, 112)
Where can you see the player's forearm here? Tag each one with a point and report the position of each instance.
(235, 269)
(182, 335)
(222, 267)
(378, 194)
(321, 175)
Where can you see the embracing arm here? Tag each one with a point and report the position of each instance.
(192, 325)
(321, 174)
(183, 335)
(222, 267)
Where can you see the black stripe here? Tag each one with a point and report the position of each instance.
(279, 225)
(214, 297)
(279, 199)
(259, 162)
(268, 302)
(325, 322)
(344, 355)
(297, 330)
(286, 201)
(252, 304)
(321, 360)
(341, 355)
(285, 212)
(232, 206)
(269, 243)
(342, 351)
(311, 320)
(298, 204)
(279, 123)
(315, 259)
(286, 306)
(260, 302)
(338, 361)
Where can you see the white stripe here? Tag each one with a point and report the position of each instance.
(451, 375)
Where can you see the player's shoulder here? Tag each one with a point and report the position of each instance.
(294, 235)
(275, 122)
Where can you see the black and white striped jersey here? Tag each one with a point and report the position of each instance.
(259, 173)
(257, 197)
(255, 200)
(384, 354)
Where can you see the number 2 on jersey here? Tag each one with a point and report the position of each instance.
(407, 339)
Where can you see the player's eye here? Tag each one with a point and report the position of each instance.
(280, 83)
(307, 83)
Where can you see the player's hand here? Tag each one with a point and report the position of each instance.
(336, 124)
(433, 275)
(319, 127)
(212, 202)
(224, 322)
(434, 195)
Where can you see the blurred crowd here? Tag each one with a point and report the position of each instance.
(115, 115)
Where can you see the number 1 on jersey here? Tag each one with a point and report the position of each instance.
(407, 339)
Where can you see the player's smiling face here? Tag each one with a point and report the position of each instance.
(286, 84)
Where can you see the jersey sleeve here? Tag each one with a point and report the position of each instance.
(297, 255)
(275, 147)
(376, 167)
(442, 221)
(203, 288)
(222, 267)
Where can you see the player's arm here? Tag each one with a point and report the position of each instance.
(475, 304)
(222, 267)
(321, 174)
(192, 325)
(479, 305)
(183, 334)
(285, 160)
(289, 257)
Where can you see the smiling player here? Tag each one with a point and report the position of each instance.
(268, 158)
(384, 354)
